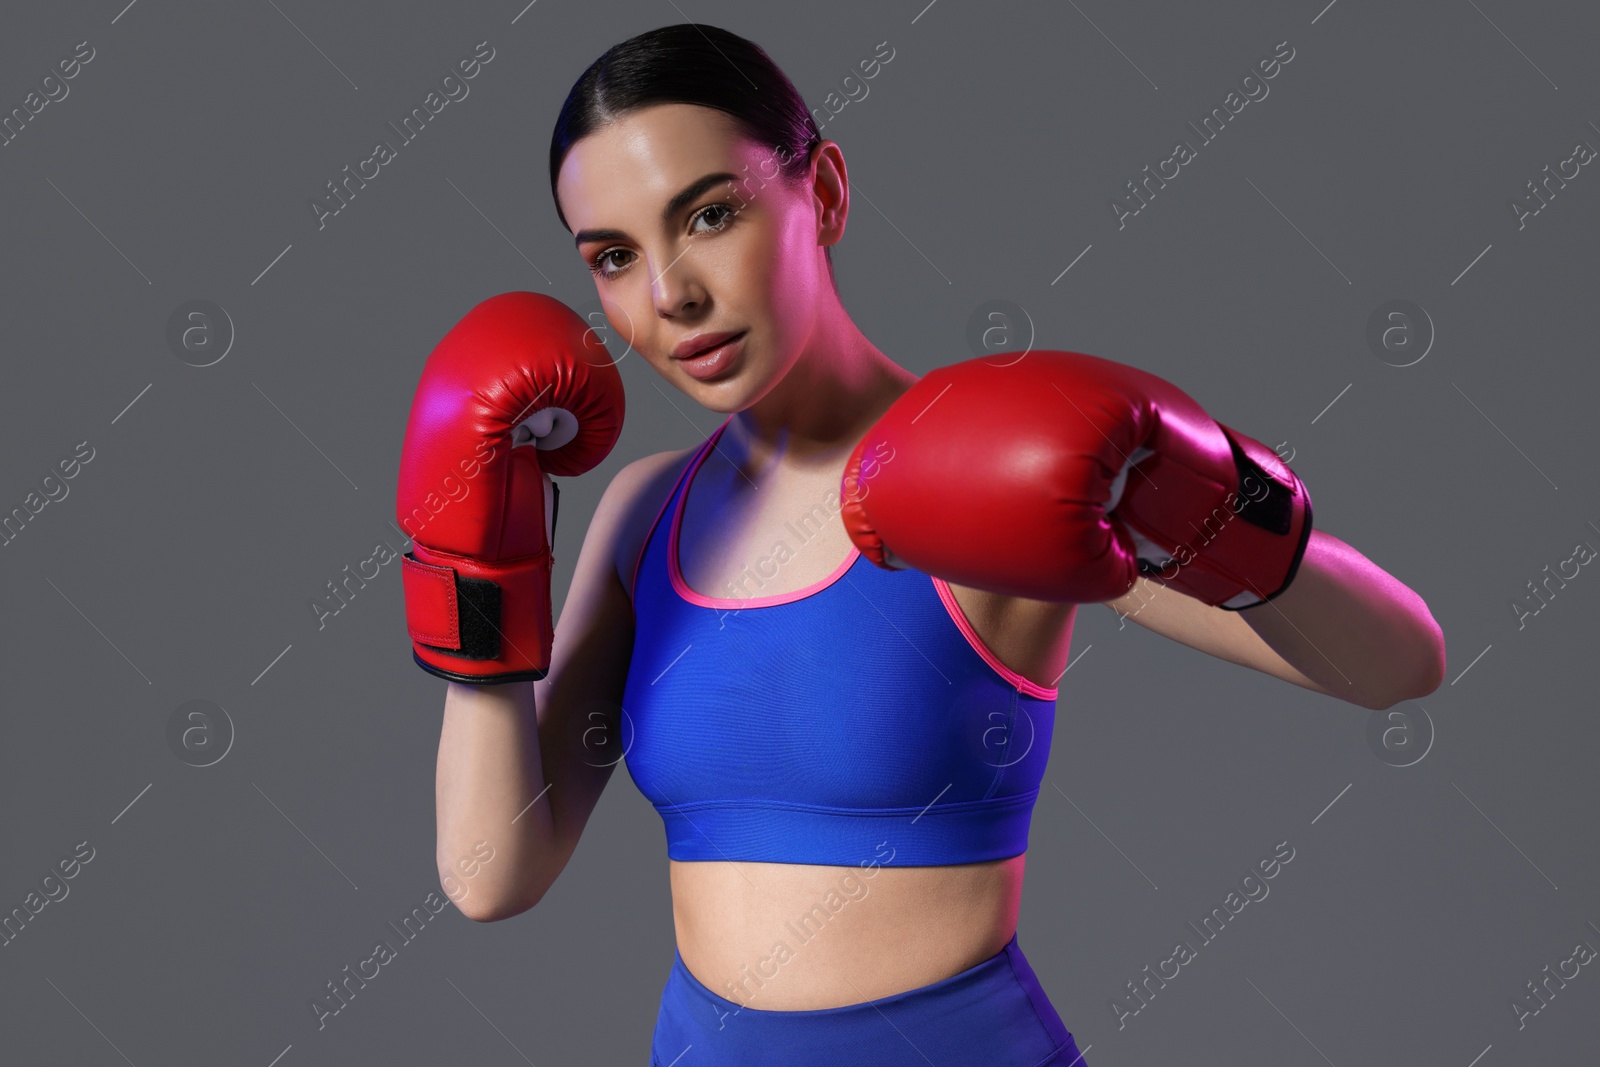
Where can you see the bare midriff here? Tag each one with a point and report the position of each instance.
(797, 937)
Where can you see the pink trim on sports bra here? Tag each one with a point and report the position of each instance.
(681, 586)
(651, 532)
(1032, 688)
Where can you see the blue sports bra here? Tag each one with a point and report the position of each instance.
(819, 726)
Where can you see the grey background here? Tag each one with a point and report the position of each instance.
(181, 565)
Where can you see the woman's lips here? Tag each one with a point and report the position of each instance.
(694, 344)
(715, 361)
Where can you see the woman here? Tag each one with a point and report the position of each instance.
(789, 708)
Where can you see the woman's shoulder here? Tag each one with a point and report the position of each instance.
(635, 497)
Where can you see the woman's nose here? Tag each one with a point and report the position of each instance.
(674, 286)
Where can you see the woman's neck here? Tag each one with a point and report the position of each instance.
(832, 395)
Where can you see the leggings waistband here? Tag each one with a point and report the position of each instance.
(994, 1012)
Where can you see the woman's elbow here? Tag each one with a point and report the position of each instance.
(1431, 661)
(1425, 676)
(487, 893)
(483, 907)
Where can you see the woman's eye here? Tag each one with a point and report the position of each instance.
(717, 214)
(717, 217)
(598, 266)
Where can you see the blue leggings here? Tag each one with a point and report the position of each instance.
(992, 1014)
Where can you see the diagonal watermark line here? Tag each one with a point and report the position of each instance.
(124, 11)
(501, 232)
(1474, 263)
(932, 402)
(1332, 402)
(271, 665)
(1068, 667)
(934, 801)
(310, 842)
(132, 402)
(1102, 833)
(101, 232)
(1324, 11)
(1074, 263)
(532, 802)
(1290, 1021)
(669, 666)
(274, 263)
(131, 803)
(524, 11)
(1301, 232)
(90, 1021)
(313, 44)
(1502, 433)
(1331, 803)
(1468, 667)
(309, 441)
(1513, 44)
(1113, 44)
(97, 630)
(490, 1021)
(856, 188)
(669, 266)
(1502, 833)
(924, 11)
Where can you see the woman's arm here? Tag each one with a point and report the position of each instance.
(488, 769)
(521, 765)
(1344, 627)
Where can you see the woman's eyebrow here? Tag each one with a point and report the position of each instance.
(679, 201)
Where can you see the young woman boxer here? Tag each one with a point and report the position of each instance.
(845, 756)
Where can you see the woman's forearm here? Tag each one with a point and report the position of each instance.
(490, 800)
(1353, 628)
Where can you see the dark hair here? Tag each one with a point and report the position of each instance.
(690, 63)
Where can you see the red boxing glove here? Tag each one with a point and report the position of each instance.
(1060, 476)
(518, 390)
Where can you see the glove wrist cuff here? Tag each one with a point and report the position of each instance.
(1243, 543)
(474, 621)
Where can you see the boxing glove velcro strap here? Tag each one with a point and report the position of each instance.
(1231, 546)
(449, 612)
(1273, 509)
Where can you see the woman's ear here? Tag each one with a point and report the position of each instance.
(830, 187)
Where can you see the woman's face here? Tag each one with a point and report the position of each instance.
(692, 235)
